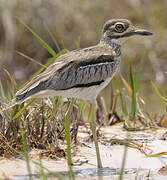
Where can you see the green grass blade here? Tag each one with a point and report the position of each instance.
(162, 98)
(31, 59)
(42, 169)
(82, 105)
(133, 86)
(44, 44)
(123, 160)
(2, 93)
(78, 43)
(22, 109)
(52, 37)
(25, 150)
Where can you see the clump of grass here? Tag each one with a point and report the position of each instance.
(136, 117)
(40, 132)
(135, 112)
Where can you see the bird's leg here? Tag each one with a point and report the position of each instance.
(93, 128)
(67, 136)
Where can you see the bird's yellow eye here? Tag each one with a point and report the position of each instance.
(120, 27)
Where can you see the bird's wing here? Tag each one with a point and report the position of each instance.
(86, 73)
(74, 69)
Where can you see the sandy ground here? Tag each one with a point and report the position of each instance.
(143, 143)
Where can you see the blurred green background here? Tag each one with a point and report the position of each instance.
(71, 21)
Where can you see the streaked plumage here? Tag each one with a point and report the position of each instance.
(83, 73)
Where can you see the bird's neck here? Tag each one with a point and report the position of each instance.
(115, 44)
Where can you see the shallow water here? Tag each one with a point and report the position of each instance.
(101, 174)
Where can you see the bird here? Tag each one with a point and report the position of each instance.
(83, 73)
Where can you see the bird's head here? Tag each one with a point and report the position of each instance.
(121, 28)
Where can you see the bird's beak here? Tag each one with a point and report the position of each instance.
(142, 32)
